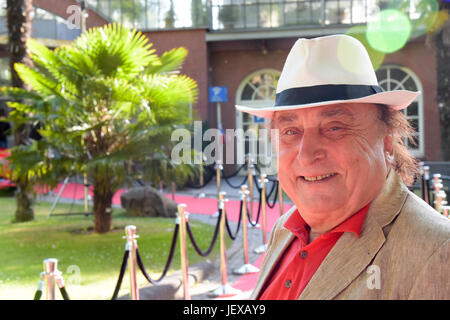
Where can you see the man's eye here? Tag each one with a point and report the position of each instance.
(335, 128)
(290, 132)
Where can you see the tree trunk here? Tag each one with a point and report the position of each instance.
(19, 21)
(24, 210)
(103, 195)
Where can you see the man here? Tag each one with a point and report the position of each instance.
(356, 231)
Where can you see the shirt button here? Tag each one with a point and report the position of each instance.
(288, 283)
(303, 254)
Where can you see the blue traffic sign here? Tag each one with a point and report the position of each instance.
(257, 119)
(218, 94)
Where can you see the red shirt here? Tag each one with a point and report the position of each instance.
(301, 260)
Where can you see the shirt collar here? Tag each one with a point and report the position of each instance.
(298, 226)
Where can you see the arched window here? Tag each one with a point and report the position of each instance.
(258, 89)
(394, 77)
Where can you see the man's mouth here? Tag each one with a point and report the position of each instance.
(318, 178)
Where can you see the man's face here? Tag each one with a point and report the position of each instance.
(332, 159)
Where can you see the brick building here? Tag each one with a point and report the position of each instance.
(242, 45)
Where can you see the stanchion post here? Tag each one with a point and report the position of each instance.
(183, 216)
(224, 289)
(426, 176)
(50, 270)
(247, 267)
(440, 201)
(445, 210)
(202, 179)
(223, 251)
(131, 236)
(250, 167)
(219, 168)
(280, 198)
(263, 182)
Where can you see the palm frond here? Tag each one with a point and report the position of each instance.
(170, 61)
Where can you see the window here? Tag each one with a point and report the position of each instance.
(392, 77)
(257, 90)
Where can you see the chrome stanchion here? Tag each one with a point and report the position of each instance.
(50, 271)
(247, 267)
(437, 195)
(251, 172)
(219, 168)
(440, 200)
(426, 176)
(183, 216)
(202, 179)
(280, 198)
(130, 232)
(445, 210)
(224, 289)
(262, 248)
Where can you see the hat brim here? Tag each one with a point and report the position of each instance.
(398, 99)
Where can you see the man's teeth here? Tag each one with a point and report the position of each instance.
(317, 178)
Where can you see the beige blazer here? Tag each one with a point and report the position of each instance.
(402, 253)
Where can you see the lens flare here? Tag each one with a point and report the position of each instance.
(376, 57)
(389, 31)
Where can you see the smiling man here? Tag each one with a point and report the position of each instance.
(356, 231)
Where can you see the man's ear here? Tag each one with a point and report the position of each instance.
(388, 142)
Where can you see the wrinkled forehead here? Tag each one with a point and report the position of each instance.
(330, 111)
(349, 112)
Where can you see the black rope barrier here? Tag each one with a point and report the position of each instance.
(123, 267)
(234, 186)
(235, 173)
(63, 292)
(274, 187)
(250, 219)
(213, 240)
(209, 175)
(168, 262)
(233, 236)
(37, 295)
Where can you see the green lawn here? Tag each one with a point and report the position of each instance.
(89, 262)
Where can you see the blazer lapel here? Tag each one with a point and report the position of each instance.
(350, 255)
(274, 253)
(346, 260)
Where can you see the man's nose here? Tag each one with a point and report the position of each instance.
(311, 148)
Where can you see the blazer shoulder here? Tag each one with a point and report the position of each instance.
(424, 221)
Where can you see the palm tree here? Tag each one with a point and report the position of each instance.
(104, 102)
(19, 21)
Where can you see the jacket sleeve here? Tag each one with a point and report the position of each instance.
(433, 281)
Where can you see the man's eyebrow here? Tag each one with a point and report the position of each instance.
(285, 117)
(335, 112)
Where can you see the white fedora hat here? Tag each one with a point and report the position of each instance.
(329, 70)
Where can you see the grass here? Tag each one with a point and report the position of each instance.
(89, 262)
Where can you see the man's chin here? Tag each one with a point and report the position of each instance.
(318, 204)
